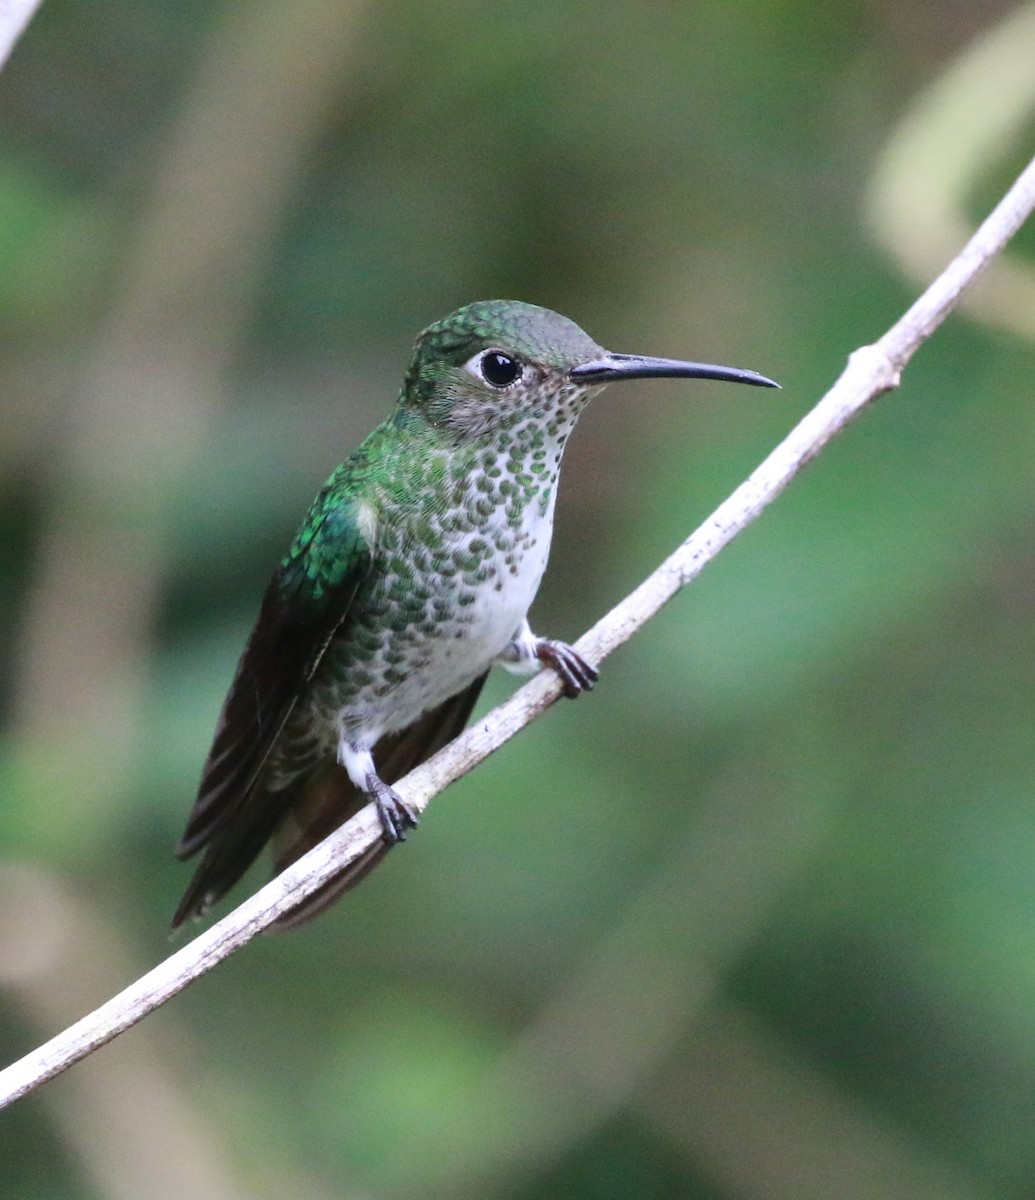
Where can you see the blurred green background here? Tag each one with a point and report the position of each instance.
(757, 918)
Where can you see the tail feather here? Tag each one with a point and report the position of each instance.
(296, 818)
(333, 798)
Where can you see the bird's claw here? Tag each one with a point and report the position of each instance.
(576, 674)
(396, 815)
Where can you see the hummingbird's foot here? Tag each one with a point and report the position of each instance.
(396, 815)
(576, 674)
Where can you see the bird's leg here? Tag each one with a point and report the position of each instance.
(524, 652)
(396, 815)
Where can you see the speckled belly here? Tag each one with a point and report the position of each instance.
(431, 623)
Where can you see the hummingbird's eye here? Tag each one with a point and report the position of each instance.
(498, 368)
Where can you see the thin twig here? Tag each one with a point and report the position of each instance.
(942, 149)
(14, 16)
(871, 371)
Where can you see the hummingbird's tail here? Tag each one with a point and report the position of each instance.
(294, 819)
(331, 798)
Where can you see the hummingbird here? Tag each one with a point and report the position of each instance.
(410, 577)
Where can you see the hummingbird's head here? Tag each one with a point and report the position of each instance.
(496, 362)
(499, 362)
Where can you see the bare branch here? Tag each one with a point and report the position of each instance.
(956, 132)
(14, 16)
(871, 371)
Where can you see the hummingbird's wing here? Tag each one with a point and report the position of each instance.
(306, 601)
(329, 798)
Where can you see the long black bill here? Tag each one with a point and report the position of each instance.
(613, 367)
